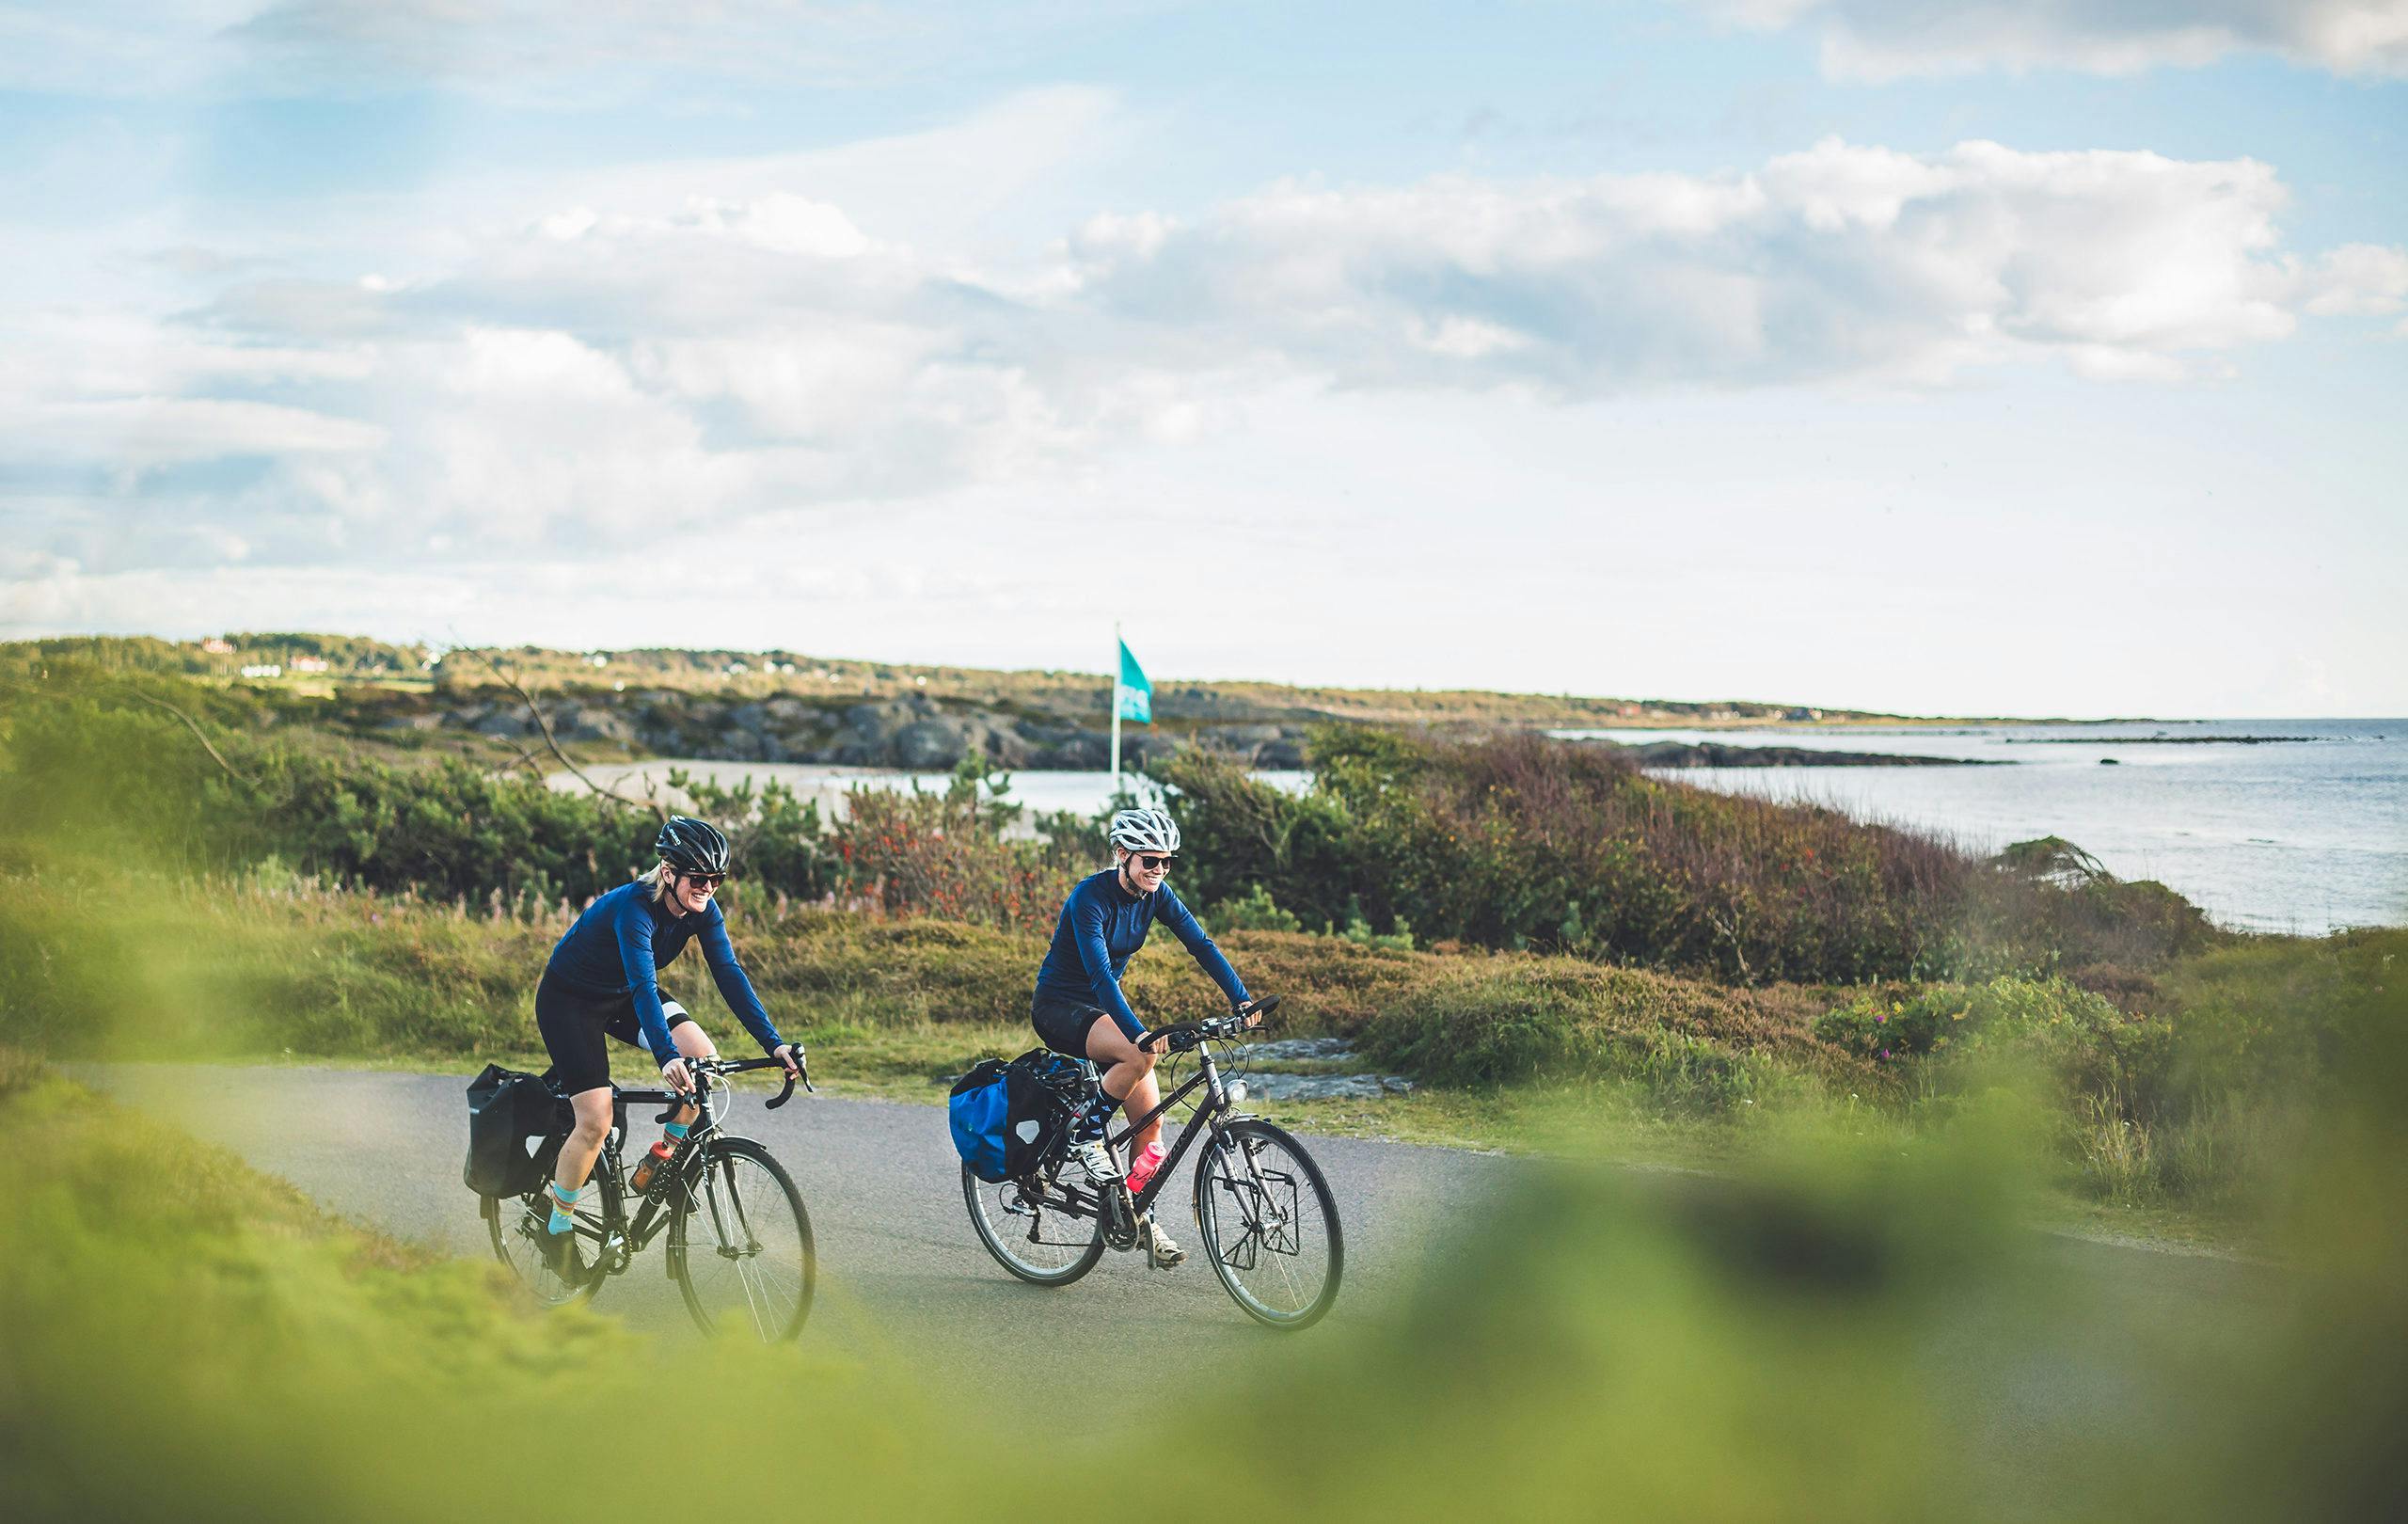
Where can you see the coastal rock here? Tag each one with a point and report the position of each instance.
(1326, 1086)
(928, 745)
(1719, 754)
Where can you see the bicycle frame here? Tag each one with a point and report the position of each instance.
(1215, 1106)
(621, 1239)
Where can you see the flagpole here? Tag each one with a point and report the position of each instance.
(1116, 708)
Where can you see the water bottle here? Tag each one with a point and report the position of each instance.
(660, 1154)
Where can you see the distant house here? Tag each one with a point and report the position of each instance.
(217, 645)
(309, 663)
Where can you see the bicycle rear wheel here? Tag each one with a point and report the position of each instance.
(1269, 1225)
(1039, 1243)
(517, 1229)
(739, 1244)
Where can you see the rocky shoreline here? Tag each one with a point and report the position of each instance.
(917, 733)
(914, 733)
(1716, 755)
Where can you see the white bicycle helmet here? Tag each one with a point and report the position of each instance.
(1145, 831)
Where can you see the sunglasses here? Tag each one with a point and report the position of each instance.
(1152, 863)
(711, 880)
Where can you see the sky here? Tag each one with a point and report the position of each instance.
(1951, 356)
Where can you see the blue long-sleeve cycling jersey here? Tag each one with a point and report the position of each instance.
(617, 947)
(1103, 925)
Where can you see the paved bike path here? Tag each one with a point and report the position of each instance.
(898, 1260)
(904, 1278)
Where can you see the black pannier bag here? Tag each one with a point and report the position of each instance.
(1042, 1091)
(516, 1123)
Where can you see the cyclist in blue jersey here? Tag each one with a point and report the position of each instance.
(604, 978)
(1079, 1009)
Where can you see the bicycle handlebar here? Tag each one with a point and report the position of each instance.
(703, 1067)
(1187, 1035)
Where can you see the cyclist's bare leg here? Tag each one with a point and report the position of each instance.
(1127, 1073)
(1143, 1096)
(692, 1043)
(584, 1143)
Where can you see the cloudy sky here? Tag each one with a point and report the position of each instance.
(1945, 356)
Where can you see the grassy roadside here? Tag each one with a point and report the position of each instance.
(2172, 1105)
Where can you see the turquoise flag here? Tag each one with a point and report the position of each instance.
(1132, 697)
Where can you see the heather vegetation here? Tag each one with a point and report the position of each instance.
(1519, 842)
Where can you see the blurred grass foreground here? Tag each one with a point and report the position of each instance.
(1845, 1332)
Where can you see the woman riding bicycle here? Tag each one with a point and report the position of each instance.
(604, 978)
(1079, 1009)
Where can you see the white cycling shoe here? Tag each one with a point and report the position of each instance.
(1096, 1160)
(1160, 1249)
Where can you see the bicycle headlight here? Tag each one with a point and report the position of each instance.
(1236, 1092)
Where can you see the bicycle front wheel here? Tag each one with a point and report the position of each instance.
(1269, 1225)
(739, 1244)
(1037, 1242)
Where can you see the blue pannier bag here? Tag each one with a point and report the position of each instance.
(982, 1108)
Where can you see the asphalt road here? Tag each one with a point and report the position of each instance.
(898, 1260)
(903, 1277)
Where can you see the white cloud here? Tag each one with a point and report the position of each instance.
(590, 372)
(137, 433)
(1838, 262)
(2357, 279)
(1880, 39)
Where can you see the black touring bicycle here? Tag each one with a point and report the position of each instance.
(740, 1243)
(1263, 1213)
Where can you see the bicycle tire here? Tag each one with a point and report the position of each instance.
(1261, 1248)
(725, 1196)
(510, 1229)
(980, 1196)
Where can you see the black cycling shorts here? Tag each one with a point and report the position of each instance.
(572, 1024)
(1062, 1024)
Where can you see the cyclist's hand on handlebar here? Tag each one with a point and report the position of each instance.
(788, 1055)
(1154, 1042)
(680, 1077)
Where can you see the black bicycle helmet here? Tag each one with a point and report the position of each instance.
(691, 845)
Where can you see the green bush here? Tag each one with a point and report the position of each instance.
(1689, 1048)
(1256, 911)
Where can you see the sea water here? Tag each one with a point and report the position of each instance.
(2285, 835)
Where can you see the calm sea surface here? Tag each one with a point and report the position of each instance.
(2297, 837)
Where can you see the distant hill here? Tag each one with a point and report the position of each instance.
(305, 661)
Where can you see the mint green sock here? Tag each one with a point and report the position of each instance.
(562, 1222)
